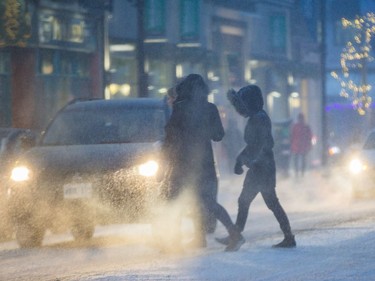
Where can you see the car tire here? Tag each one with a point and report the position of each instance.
(29, 235)
(83, 231)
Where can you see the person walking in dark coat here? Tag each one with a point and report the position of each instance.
(194, 123)
(258, 157)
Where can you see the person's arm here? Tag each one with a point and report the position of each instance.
(217, 129)
(265, 138)
(261, 141)
(169, 146)
(243, 156)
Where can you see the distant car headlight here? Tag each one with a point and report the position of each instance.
(356, 166)
(334, 150)
(20, 173)
(148, 169)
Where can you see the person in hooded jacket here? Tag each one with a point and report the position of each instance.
(258, 157)
(194, 123)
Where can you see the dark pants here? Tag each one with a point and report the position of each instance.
(208, 202)
(205, 189)
(299, 163)
(252, 186)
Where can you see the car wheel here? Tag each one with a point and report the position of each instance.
(29, 235)
(83, 231)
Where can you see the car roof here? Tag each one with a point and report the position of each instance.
(116, 104)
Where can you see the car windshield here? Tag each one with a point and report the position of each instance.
(133, 125)
(370, 142)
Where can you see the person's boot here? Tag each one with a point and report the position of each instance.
(236, 240)
(288, 242)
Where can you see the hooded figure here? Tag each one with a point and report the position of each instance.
(258, 157)
(194, 123)
(258, 151)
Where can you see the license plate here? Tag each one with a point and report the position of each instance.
(77, 190)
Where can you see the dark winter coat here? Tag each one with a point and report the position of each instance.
(258, 154)
(194, 123)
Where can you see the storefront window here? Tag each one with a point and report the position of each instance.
(73, 64)
(190, 19)
(185, 68)
(64, 63)
(76, 31)
(66, 31)
(278, 33)
(159, 77)
(155, 17)
(122, 81)
(46, 63)
(45, 28)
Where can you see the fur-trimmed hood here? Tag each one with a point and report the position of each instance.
(247, 101)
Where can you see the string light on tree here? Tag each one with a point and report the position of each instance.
(15, 23)
(354, 59)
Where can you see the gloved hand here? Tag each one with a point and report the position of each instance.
(238, 170)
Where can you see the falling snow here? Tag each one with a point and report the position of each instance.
(335, 237)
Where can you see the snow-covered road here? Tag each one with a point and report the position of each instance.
(335, 237)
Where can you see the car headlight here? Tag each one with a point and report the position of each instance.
(356, 166)
(148, 169)
(20, 173)
(334, 150)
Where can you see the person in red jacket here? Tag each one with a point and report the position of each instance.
(300, 144)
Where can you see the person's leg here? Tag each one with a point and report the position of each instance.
(303, 163)
(196, 213)
(295, 162)
(235, 240)
(219, 211)
(248, 194)
(272, 202)
(211, 190)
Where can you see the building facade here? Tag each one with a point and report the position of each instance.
(91, 48)
(231, 43)
(51, 52)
